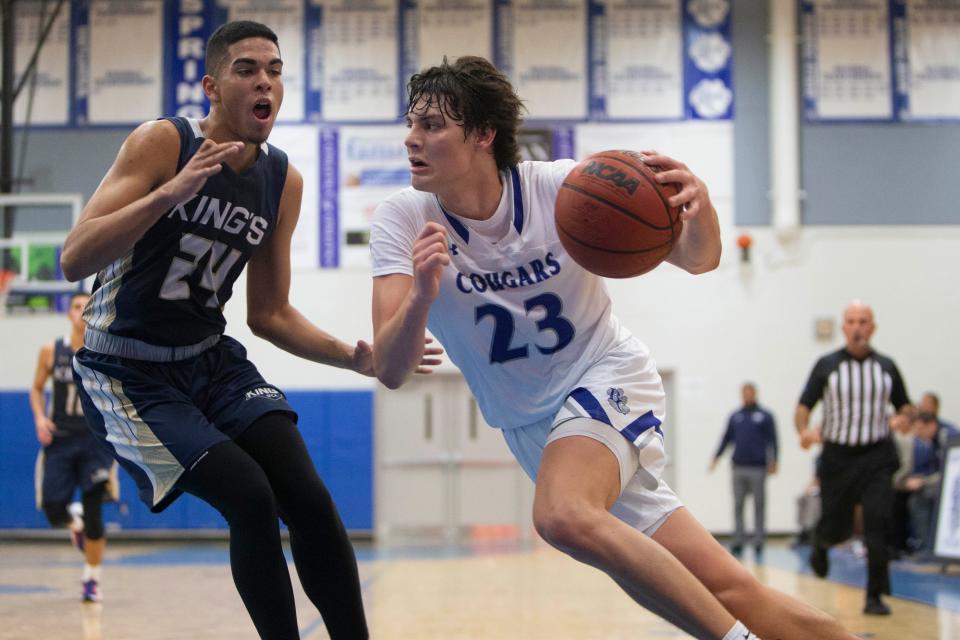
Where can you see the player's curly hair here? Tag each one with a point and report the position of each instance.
(220, 40)
(476, 94)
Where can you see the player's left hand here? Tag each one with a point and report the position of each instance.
(363, 357)
(693, 197)
(362, 361)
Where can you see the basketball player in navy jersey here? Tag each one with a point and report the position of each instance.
(471, 251)
(71, 456)
(185, 206)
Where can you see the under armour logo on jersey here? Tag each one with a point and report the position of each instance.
(618, 400)
(453, 249)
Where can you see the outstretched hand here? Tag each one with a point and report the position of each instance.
(362, 360)
(431, 357)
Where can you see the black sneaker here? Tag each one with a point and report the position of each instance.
(875, 607)
(819, 561)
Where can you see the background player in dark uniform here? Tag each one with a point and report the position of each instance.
(185, 206)
(71, 456)
(857, 386)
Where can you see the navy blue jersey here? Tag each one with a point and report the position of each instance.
(169, 290)
(65, 410)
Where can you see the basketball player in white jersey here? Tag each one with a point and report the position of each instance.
(470, 251)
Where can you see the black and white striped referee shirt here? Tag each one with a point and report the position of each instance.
(856, 395)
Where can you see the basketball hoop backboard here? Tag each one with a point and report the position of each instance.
(31, 279)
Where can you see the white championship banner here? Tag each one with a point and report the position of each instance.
(548, 41)
(125, 71)
(932, 35)
(358, 58)
(668, 60)
(644, 76)
(452, 29)
(847, 60)
(47, 94)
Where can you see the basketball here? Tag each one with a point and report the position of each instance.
(612, 215)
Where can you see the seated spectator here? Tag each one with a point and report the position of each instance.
(903, 434)
(917, 482)
(930, 403)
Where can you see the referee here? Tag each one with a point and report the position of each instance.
(857, 386)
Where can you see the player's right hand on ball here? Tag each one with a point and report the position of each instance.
(429, 257)
(206, 162)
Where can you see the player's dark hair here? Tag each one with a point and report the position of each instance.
(476, 94)
(225, 35)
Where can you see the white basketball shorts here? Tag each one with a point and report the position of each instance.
(620, 403)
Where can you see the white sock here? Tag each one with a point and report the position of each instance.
(739, 632)
(91, 572)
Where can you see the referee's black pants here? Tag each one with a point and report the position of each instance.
(851, 475)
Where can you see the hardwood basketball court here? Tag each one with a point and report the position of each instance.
(487, 590)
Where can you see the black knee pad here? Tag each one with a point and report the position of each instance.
(93, 512)
(57, 514)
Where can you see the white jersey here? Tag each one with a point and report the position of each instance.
(515, 313)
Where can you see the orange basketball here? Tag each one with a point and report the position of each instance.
(612, 216)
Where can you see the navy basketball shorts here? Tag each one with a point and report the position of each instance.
(70, 462)
(160, 418)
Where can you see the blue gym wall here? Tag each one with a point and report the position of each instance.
(336, 425)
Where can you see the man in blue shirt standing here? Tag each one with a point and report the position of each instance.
(753, 433)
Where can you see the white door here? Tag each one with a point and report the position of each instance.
(441, 471)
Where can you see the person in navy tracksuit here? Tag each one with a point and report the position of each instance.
(752, 431)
